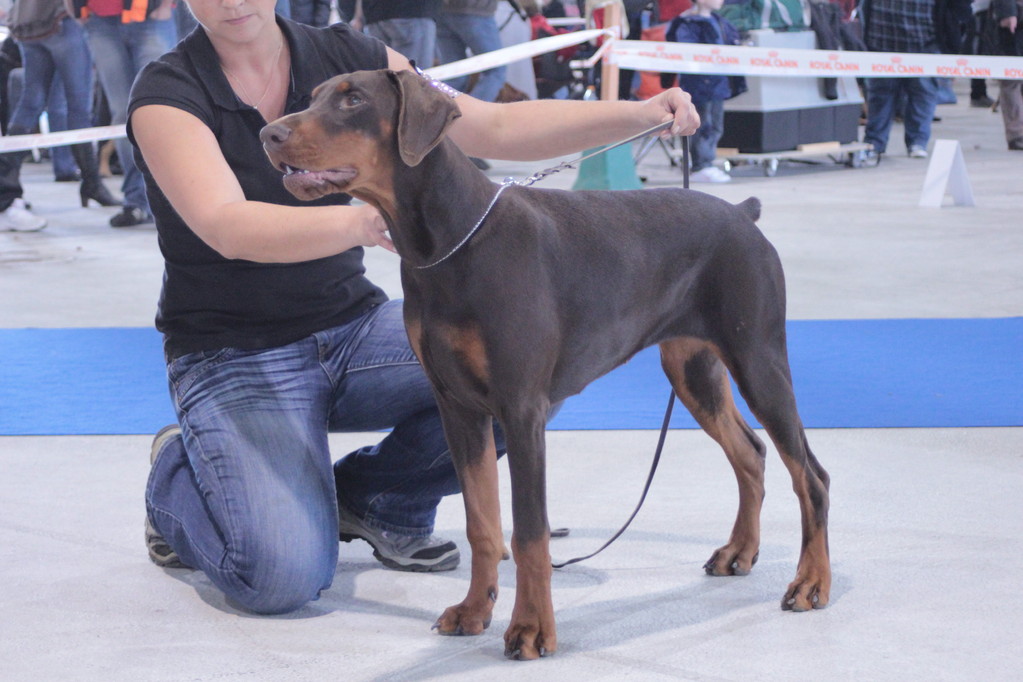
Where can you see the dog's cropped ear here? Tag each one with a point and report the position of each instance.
(424, 116)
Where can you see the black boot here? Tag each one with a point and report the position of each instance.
(92, 187)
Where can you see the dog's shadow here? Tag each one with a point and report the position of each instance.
(689, 610)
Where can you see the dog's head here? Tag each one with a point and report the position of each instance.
(356, 129)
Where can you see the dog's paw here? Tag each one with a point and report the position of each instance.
(527, 641)
(807, 593)
(729, 560)
(465, 618)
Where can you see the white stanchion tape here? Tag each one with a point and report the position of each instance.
(645, 55)
(514, 53)
(20, 143)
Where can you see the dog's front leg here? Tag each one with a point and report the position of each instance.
(471, 439)
(531, 633)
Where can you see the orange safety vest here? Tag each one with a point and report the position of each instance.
(133, 10)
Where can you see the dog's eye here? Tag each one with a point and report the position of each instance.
(351, 99)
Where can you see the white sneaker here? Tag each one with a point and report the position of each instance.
(17, 218)
(710, 174)
(917, 152)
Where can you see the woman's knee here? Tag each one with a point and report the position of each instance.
(282, 581)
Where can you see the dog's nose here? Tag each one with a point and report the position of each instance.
(274, 135)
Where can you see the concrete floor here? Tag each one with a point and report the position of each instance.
(926, 524)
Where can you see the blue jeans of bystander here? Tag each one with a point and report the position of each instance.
(705, 139)
(120, 51)
(414, 37)
(479, 34)
(64, 54)
(921, 101)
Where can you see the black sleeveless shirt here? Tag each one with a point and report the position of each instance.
(208, 301)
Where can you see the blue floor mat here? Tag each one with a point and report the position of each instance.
(847, 373)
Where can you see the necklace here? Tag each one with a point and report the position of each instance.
(269, 82)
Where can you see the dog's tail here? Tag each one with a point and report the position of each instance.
(751, 207)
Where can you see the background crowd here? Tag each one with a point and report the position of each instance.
(76, 61)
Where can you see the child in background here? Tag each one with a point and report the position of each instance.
(702, 24)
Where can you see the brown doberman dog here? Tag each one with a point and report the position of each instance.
(551, 290)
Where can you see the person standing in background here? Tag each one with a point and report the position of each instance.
(51, 42)
(469, 25)
(124, 36)
(405, 26)
(900, 26)
(1006, 17)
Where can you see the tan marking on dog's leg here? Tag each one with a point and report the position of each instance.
(532, 632)
(414, 330)
(701, 383)
(479, 480)
(467, 344)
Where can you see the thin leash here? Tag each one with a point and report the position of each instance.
(660, 440)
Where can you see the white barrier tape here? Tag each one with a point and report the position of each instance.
(21, 143)
(643, 55)
(514, 53)
(594, 58)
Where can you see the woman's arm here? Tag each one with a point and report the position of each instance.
(202, 187)
(542, 129)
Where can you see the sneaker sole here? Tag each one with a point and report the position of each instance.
(160, 552)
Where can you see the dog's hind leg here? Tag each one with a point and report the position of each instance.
(471, 439)
(701, 383)
(763, 377)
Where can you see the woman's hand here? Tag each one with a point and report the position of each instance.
(372, 226)
(675, 104)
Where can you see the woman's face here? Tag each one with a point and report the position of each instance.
(233, 20)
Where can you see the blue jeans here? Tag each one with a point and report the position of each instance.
(921, 101)
(414, 37)
(248, 494)
(56, 115)
(120, 51)
(705, 139)
(64, 55)
(478, 34)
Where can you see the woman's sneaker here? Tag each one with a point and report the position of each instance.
(400, 552)
(710, 174)
(160, 553)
